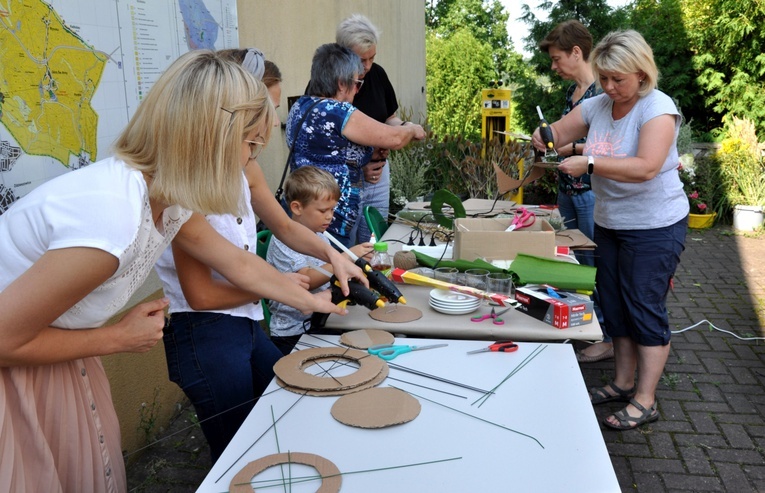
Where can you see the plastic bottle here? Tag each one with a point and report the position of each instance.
(381, 259)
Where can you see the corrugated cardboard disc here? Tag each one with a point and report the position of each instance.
(366, 338)
(396, 314)
(328, 471)
(376, 408)
(324, 393)
(290, 368)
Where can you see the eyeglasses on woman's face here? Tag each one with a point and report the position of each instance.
(255, 147)
(358, 83)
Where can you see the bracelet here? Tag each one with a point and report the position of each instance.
(573, 150)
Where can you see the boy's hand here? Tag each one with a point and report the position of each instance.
(363, 250)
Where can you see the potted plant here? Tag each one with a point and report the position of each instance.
(701, 215)
(742, 172)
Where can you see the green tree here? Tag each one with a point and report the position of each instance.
(486, 20)
(547, 89)
(457, 67)
(727, 41)
(661, 24)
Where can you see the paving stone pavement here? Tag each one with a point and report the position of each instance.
(711, 435)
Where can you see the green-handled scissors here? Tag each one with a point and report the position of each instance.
(389, 351)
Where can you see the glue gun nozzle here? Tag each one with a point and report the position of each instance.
(402, 300)
(380, 303)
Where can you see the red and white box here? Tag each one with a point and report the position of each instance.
(567, 310)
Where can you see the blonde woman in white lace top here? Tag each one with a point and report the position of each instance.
(76, 248)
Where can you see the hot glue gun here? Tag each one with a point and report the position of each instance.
(357, 293)
(377, 279)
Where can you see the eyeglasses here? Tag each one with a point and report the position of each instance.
(255, 148)
(359, 83)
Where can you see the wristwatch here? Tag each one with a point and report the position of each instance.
(590, 164)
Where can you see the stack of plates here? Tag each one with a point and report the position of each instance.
(453, 303)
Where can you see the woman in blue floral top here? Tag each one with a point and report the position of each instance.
(569, 45)
(337, 137)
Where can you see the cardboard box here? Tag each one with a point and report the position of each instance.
(486, 238)
(570, 310)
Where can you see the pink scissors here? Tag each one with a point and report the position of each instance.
(493, 316)
(523, 219)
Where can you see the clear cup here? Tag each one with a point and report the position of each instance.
(476, 278)
(500, 283)
(447, 274)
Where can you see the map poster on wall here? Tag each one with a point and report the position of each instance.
(72, 73)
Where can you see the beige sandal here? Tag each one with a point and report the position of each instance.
(585, 358)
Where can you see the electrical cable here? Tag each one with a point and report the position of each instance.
(713, 326)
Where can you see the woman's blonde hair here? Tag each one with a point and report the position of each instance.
(187, 134)
(626, 52)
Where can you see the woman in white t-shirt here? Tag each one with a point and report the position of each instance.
(640, 214)
(77, 247)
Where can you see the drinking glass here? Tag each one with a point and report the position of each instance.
(500, 283)
(447, 274)
(476, 278)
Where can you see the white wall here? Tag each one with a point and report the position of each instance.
(289, 31)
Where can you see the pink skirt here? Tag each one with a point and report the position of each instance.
(58, 429)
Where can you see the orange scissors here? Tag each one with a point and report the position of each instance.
(499, 347)
(523, 219)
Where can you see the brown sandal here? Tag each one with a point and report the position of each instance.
(627, 422)
(600, 395)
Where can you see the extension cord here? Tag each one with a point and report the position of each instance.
(432, 251)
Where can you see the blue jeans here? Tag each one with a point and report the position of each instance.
(223, 364)
(635, 268)
(378, 196)
(577, 211)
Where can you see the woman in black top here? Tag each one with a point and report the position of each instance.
(376, 99)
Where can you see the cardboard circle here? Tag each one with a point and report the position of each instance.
(399, 314)
(328, 471)
(325, 393)
(376, 408)
(290, 368)
(366, 338)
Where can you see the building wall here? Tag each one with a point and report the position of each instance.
(288, 32)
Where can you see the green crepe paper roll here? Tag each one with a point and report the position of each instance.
(461, 265)
(526, 269)
(530, 269)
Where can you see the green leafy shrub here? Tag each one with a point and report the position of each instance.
(742, 170)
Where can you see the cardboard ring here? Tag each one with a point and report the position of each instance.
(290, 368)
(331, 478)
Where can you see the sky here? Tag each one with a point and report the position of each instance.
(519, 30)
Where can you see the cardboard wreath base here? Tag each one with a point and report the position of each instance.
(326, 393)
(366, 338)
(328, 471)
(376, 408)
(290, 369)
(398, 314)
